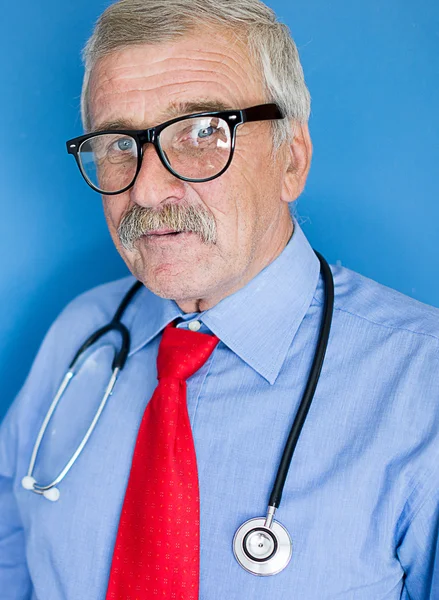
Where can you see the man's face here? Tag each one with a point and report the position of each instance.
(143, 86)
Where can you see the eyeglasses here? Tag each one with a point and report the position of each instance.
(194, 148)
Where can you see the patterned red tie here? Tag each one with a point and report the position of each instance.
(157, 550)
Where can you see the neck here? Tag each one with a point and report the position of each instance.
(258, 264)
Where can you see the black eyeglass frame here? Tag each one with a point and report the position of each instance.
(261, 112)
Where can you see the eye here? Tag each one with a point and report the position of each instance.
(121, 148)
(125, 144)
(206, 132)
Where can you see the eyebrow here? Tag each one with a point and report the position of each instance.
(177, 109)
(174, 110)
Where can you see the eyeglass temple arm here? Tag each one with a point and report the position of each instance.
(264, 112)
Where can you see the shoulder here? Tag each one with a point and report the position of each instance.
(95, 305)
(382, 308)
(85, 314)
(384, 354)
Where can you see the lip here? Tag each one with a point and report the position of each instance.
(162, 232)
(163, 239)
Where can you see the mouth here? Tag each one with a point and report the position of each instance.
(163, 232)
(166, 237)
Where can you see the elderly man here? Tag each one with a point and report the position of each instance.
(196, 118)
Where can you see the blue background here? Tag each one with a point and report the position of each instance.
(371, 201)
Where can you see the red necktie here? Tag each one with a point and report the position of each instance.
(157, 550)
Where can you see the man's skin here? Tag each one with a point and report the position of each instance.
(145, 85)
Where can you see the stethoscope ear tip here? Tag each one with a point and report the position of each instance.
(28, 482)
(51, 494)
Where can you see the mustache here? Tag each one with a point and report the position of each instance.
(179, 217)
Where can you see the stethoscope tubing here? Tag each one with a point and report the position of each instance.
(263, 546)
(261, 530)
(305, 404)
(118, 364)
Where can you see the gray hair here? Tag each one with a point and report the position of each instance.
(133, 22)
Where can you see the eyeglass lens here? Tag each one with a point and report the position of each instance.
(196, 148)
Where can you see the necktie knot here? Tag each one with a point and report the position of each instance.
(182, 352)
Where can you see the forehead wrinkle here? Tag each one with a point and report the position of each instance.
(150, 82)
(163, 114)
(225, 75)
(190, 57)
(178, 73)
(235, 64)
(223, 59)
(183, 78)
(163, 87)
(225, 85)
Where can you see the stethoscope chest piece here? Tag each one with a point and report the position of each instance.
(262, 550)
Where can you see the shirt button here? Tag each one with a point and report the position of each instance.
(194, 325)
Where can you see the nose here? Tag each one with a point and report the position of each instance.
(154, 183)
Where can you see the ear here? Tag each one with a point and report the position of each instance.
(298, 154)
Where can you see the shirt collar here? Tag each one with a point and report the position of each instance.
(258, 322)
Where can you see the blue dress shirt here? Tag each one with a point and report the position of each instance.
(361, 501)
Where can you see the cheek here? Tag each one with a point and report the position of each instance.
(240, 197)
(221, 198)
(248, 173)
(233, 203)
(114, 209)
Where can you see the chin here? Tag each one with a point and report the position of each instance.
(169, 285)
(179, 276)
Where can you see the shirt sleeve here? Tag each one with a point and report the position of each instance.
(15, 582)
(15, 579)
(84, 314)
(418, 551)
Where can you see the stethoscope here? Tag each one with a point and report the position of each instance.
(262, 546)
